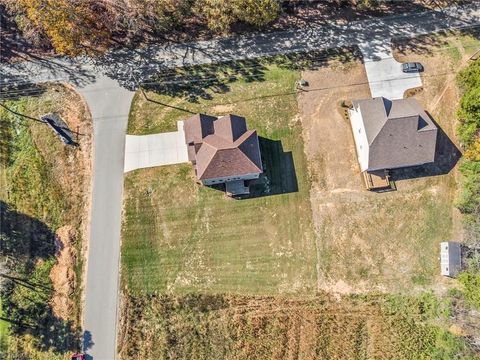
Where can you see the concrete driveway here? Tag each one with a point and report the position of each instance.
(384, 73)
(155, 150)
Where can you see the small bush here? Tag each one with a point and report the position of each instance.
(471, 287)
(469, 201)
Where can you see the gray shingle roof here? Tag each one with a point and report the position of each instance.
(399, 132)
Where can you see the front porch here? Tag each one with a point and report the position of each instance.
(237, 187)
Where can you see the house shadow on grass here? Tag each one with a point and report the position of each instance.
(279, 176)
(447, 155)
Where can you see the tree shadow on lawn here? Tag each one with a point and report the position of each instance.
(13, 87)
(447, 155)
(24, 237)
(199, 82)
(429, 44)
(279, 176)
(25, 243)
(202, 81)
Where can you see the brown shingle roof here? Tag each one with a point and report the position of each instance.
(197, 127)
(230, 127)
(230, 150)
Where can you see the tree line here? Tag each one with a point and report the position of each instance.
(72, 27)
(469, 201)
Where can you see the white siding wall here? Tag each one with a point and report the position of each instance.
(230, 178)
(450, 258)
(360, 136)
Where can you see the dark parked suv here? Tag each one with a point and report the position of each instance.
(412, 67)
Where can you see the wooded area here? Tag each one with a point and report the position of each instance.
(469, 201)
(73, 27)
(78, 27)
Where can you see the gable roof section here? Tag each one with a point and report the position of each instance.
(249, 145)
(230, 127)
(377, 111)
(399, 133)
(400, 144)
(197, 127)
(374, 115)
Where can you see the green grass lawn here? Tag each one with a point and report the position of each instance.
(42, 189)
(179, 236)
(3, 330)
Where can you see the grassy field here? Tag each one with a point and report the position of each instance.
(203, 274)
(3, 330)
(44, 184)
(321, 327)
(181, 237)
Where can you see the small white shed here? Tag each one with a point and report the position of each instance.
(450, 258)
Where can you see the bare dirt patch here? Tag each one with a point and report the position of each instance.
(63, 273)
(225, 109)
(366, 240)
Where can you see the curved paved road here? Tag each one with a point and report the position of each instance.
(107, 86)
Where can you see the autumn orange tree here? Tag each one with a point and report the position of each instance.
(71, 26)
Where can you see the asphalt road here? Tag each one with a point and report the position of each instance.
(104, 83)
(109, 106)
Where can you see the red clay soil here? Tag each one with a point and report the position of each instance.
(63, 274)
